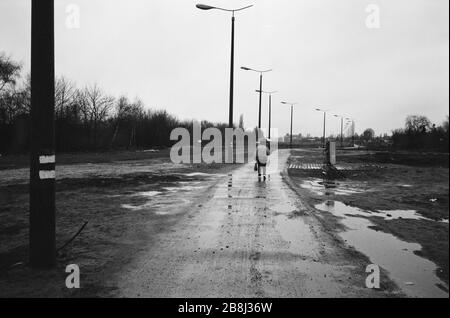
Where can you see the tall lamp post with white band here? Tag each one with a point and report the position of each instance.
(42, 151)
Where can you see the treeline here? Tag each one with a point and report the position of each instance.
(420, 134)
(85, 118)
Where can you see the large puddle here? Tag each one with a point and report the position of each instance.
(326, 187)
(161, 199)
(413, 274)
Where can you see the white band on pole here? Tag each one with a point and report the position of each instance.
(47, 174)
(46, 159)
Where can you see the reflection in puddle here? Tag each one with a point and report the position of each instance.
(147, 194)
(200, 174)
(155, 204)
(183, 188)
(329, 187)
(413, 274)
(400, 214)
(136, 207)
(158, 199)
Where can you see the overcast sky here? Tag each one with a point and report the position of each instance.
(176, 57)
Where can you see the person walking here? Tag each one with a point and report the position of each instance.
(262, 157)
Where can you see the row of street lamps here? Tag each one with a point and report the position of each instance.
(348, 119)
(261, 91)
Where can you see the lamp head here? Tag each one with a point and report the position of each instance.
(204, 7)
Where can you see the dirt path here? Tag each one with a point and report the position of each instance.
(247, 238)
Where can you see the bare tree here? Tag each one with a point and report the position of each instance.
(95, 106)
(369, 134)
(9, 71)
(12, 98)
(416, 124)
(14, 101)
(122, 109)
(65, 93)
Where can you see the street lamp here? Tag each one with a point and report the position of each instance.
(260, 88)
(270, 107)
(324, 123)
(207, 7)
(342, 128)
(292, 116)
(352, 121)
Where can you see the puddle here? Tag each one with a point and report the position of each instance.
(400, 214)
(157, 199)
(198, 174)
(183, 188)
(148, 194)
(137, 207)
(189, 182)
(324, 187)
(155, 204)
(413, 274)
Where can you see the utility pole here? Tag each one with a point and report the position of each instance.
(42, 158)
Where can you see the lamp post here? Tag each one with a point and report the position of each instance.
(292, 116)
(342, 128)
(353, 130)
(207, 7)
(270, 107)
(260, 88)
(348, 123)
(324, 123)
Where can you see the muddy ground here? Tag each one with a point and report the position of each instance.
(110, 191)
(403, 194)
(135, 202)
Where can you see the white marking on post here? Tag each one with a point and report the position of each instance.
(47, 174)
(46, 159)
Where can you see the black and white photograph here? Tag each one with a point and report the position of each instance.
(227, 156)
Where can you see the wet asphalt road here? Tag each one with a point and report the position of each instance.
(246, 238)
